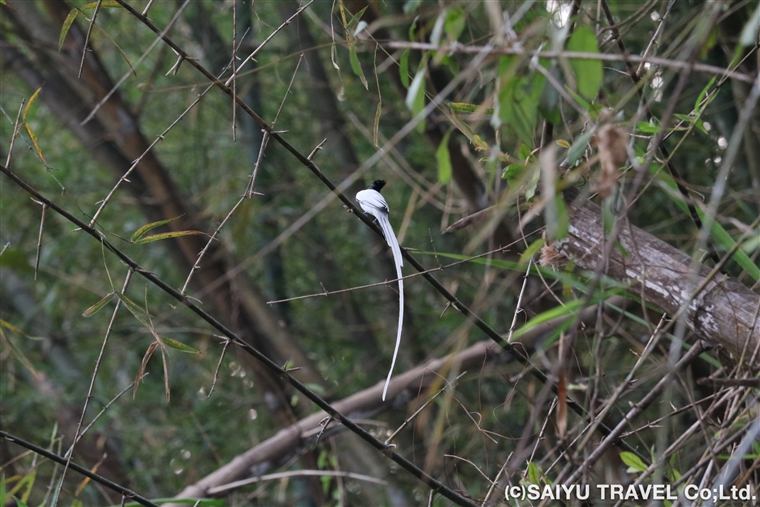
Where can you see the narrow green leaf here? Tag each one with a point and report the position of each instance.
(415, 97)
(634, 462)
(67, 26)
(559, 226)
(355, 19)
(139, 233)
(179, 346)
(98, 306)
(404, 68)
(579, 146)
(35, 142)
(165, 235)
(589, 74)
(534, 178)
(356, 66)
(376, 123)
(698, 103)
(531, 251)
(443, 158)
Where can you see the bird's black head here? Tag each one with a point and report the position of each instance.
(377, 185)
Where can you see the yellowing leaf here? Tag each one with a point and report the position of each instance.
(35, 142)
(139, 233)
(106, 4)
(98, 306)
(31, 101)
(165, 235)
(562, 143)
(67, 26)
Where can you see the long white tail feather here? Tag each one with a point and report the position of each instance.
(390, 237)
(373, 203)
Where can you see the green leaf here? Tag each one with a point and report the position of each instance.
(697, 103)
(415, 97)
(533, 180)
(589, 74)
(98, 306)
(525, 153)
(179, 346)
(165, 235)
(454, 23)
(558, 227)
(355, 19)
(67, 26)
(512, 172)
(376, 123)
(404, 68)
(633, 461)
(444, 160)
(356, 66)
(534, 475)
(139, 233)
(579, 146)
(531, 251)
(644, 127)
(518, 109)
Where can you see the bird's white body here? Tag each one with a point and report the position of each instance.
(373, 203)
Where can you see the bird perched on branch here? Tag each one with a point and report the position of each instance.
(373, 203)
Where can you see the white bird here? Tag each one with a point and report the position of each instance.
(373, 203)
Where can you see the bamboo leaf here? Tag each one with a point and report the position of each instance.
(28, 105)
(139, 233)
(103, 5)
(67, 26)
(356, 66)
(174, 344)
(443, 158)
(415, 97)
(376, 123)
(98, 306)
(165, 235)
(588, 73)
(35, 142)
(404, 68)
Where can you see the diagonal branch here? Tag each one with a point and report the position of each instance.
(424, 477)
